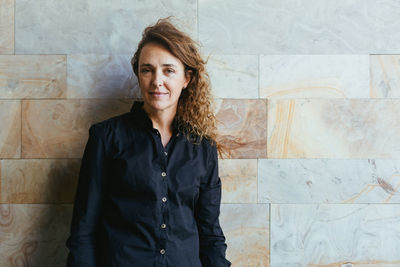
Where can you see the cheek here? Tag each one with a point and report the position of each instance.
(142, 81)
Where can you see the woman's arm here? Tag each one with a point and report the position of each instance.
(212, 239)
(87, 206)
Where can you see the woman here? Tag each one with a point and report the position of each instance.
(149, 192)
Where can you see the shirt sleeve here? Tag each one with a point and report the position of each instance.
(87, 206)
(212, 239)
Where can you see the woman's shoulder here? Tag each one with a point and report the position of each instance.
(108, 126)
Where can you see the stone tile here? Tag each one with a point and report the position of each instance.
(33, 76)
(59, 128)
(242, 127)
(10, 134)
(34, 235)
(7, 26)
(101, 76)
(314, 76)
(328, 181)
(334, 128)
(359, 264)
(385, 76)
(300, 27)
(246, 228)
(39, 180)
(93, 27)
(335, 235)
(234, 76)
(239, 180)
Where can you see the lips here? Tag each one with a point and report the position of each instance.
(157, 93)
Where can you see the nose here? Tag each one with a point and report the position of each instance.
(157, 79)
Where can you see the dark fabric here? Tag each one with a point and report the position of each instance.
(119, 210)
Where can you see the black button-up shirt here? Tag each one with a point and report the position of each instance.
(140, 204)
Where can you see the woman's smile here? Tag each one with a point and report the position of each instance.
(158, 94)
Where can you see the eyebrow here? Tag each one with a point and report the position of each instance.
(165, 65)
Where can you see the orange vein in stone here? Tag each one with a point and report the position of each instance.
(288, 128)
(395, 189)
(300, 89)
(368, 186)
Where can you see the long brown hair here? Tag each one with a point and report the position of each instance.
(195, 106)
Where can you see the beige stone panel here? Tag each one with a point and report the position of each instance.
(59, 128)
(34, 235)
(242, 126)
(10, 133)
(39, 181)
(7, 26)
(385, 76)
(239, 180)
(314, 76)
(335, 128)
(33, 76)
(246, 228)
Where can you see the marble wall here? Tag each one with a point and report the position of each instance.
(307, 97)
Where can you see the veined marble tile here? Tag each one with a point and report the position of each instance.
(39, 180)
(239, 180)
(7, 26)
(299, 27)
(93, 27)
(385, 76)
(334, 128)
(59, 128)
(34, 235)
(10, 134)
(242, 127)
(314, 76)
(33, 76)
(246, 228)
(335, 235)
(234, 76)
(328, 181)
(101, 76)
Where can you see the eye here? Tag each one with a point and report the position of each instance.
(144, 70)
(170, 71)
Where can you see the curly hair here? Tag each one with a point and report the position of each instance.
(194, 113)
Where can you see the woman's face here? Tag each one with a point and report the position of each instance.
(161, 78)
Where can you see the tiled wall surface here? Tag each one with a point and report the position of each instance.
(307, 97)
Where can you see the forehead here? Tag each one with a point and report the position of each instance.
(157, 54)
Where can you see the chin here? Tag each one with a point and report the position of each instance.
(159, 105)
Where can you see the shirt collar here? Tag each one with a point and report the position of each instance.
(140, 116)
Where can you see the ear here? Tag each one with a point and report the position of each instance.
(188, 77)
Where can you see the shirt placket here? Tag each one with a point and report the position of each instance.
(163, 224)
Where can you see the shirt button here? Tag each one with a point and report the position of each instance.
(165, 153)
(163, 174)
(163, 225)
(162, 251)
(164, 199)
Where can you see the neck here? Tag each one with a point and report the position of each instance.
(161, 119)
